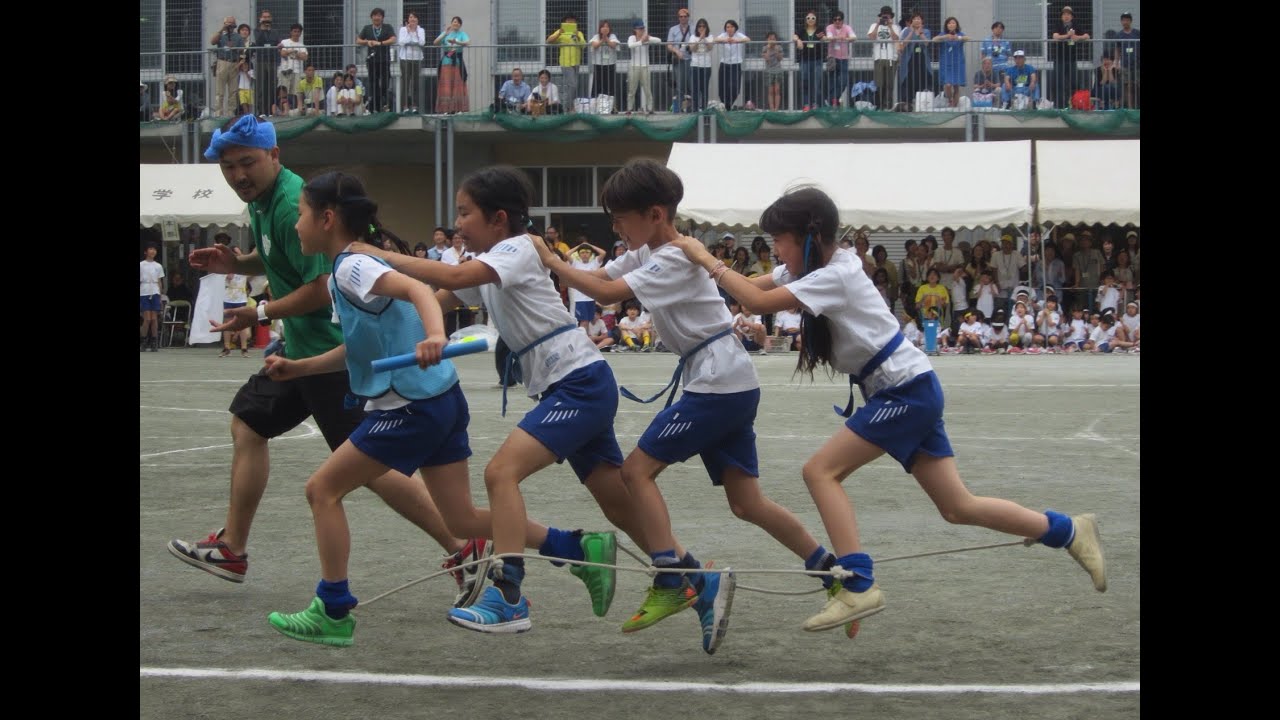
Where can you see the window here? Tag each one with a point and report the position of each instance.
(764, 16)
(570, 187)
(1081, 18)
(861, 15)
(535, 177)
(322, 22)
(557, 9)
(184, 40)
(621, 14)
(517, 32)
(283, 14)
(1024, 26)
(432, 21)
(150, 34)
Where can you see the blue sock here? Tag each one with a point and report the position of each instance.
(1061, 530)
(860, 565)
(821, 559)
(666, 558)
(565, 544)
(690, 562)
(337, 598)
(508, 577)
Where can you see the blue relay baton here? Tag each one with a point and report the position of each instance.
(466, 347)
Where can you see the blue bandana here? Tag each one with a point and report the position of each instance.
(247, 132)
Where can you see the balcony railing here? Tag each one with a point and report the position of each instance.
(938, 76)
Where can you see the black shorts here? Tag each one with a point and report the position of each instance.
(272, 408)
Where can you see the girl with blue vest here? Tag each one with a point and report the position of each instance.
(416, 419)
(846, 327)
(561, 368)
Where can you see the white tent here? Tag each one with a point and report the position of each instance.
(1089, 181)
(188, 195)
(897, 186)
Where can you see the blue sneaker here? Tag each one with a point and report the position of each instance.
(493, 614)
(713, 606)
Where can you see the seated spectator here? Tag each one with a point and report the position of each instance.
(349, 101)
(1077, 332)
(986, 85)
(547, 94)
(1106, 85)
(171, 101)
(144, 103)
(1129, 329)
(998, 340)
(331, 106)
(632, 330)
(284, 104)
(598, 331)
(786, 324)
(747, 327)
(310, 91)
(513, 96)
(1021, 79)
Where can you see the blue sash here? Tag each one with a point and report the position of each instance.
(675, 378)
(515, 354)
(872, 365)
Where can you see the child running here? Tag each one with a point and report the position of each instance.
(561, 366)
(416, 419)
(847, 328)
(714, 417)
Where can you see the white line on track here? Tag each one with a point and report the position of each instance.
(311, 432)
(575, 685)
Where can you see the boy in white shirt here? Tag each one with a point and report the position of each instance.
(968, 339)
(747, 328)
(598, 332)
(150, 287)
(1101, 335)
(1079, 332)
(714, 418)
(1108, 298)
(786, 323)
(1047, 323)
(587, 258)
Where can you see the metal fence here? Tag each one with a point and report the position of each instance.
(915, 75)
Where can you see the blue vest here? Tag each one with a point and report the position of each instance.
(381, 328)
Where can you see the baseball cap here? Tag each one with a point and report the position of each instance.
(638, 24)
(619, 243)
(1019, 53)
(729, 236)
(1126, 14)
(1131, 233)
(1068, 9)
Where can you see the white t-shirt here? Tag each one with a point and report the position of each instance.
(606, 54)
(1001, 335)
(331, 101)
(237, 289)
(451, 257)
(1098, 335)
(1131, 322)
(731, 52)
(577, 296)
(596, 328)
(349, 93)
(884, 47)
(987, 299)
(687, 309)
(525, 307)
(245, 81)
(549, 92)
(959, 294)
(640, 54)
(742, 323)
(1021, 324)
(1048, 322)
(1108, 297)
(292, 63)
(970, 327)
(1079, 331)
(787, 320)
(355, 277)
(631, 327)
(860, 323)
(909, 331)
(952, 257)
(149, 274)
(700, 50)
(411, 43)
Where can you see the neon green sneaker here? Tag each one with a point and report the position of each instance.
(598, 547)
(314, 626)
(661, 603)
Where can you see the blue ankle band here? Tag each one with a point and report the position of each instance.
(565, 544)
(1061, 530)
(337, 598)
(860, 565)
(511, 571)
(821, 559)
(666, 558)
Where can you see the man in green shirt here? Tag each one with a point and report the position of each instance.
(265, 408)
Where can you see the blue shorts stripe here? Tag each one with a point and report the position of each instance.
(904, 420)
(424, 433)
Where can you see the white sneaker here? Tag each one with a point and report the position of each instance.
(846, 606)
(1086, 548)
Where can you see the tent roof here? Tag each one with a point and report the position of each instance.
(891, 186)
(188, 195)
(1091, 181)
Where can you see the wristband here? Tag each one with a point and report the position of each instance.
(718, 274)
(262, 310)
(712, 272)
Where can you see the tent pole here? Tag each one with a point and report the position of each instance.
(448, 124)
(439, 177)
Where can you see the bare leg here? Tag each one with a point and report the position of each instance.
(640, 472)
(408, 496)
(844, 453)
(748, 503)
(450, 485)
(520, 456)
(250, 465)
(940, 479)
(346, 469)
(611, 494)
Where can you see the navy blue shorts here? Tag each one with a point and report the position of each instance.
(148, 303)
(904, 420)
(585, 310)
(424, 433)
(574, 419)
(718, 428)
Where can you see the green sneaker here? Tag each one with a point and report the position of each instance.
(598, 547)
(661, 603)
(314, 626)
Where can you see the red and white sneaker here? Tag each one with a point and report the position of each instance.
(212, 556)
(470, 580)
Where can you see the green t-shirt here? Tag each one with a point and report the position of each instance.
(272, 222)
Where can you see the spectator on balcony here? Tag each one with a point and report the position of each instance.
(1020, 80)
(348, 98)
(808, 39)
(284, 105)
(547, 94)
(229, 43)
(293, 58)
(170, 101)
(604, 63)
(144, 103)
(378, 38)
(1107, 84)
(310, 91)
(951, 67)
(1062, 52)
(773, 75)
(411, 38)
(997, 48)
(700, 47)
(731, 55)
(513, 96)
(885, 52)
(839, 50)
(914, 67)
(638, 75)
(245, 83)
(451, 94)
(266, 43)
(986, 85)
(1129, 50)
(571, 41)
(678, 45)
(331, 106)
(354, 72)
